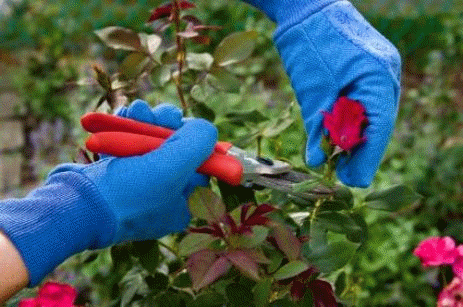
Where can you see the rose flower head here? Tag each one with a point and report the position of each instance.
(52, 294)
(435, 251)
(345, 123)
(452, 295)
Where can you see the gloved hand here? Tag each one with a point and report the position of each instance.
(330, 50)
(112, 200)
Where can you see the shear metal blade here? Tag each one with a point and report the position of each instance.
(286, 182)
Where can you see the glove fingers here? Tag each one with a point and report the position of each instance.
(165, 115)
(168, 115)
(360, 167)
(186, 150)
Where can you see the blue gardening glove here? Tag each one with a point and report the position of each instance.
(113, 200)
(330, 50)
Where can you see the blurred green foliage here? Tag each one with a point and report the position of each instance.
(426, 151)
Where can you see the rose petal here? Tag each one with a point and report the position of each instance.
(436, 251)
(345, 123)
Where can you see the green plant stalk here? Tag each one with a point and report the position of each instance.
(315, 211)
(180, 56)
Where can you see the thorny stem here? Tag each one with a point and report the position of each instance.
(180, 56)
(259, 145)
(314, 213)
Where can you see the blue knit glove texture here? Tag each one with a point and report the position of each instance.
(148, 194)
(113, 200)
(329, 50)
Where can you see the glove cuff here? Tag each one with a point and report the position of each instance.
(62, 218)
(287, 13)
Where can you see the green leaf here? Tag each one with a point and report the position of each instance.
(104, 80)
(234, 48)
(133, 65)
(119, 38)
(333, 256)
(194, 242)
(170, 298)
(240, 118)
(201, 110)
(201, 92)
(239, 295)
(276, 258)
(262, 292)
(277, 127)
(340, 284)
(157, 282)
(338, 222)
(234, 196)
(259, 234)
(291, 269)
(132, 283)
(392, 199)
(209, 299)
(199, 61)
(362, 236)
(224, 80)
(182, 280)
(283, 302)
(207, 205)
(121, 255)
(148, 254)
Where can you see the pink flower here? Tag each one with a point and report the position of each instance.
(346, 122)
(457, 265)
(52, 294)
(435, 251)
(452, 295)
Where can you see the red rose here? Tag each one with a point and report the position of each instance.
(451, 295)
(52, 294)
(346, 122)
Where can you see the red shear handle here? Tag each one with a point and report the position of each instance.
(99, 122)
(122, 144)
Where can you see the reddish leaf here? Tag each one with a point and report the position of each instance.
(214, 230)
(206, 27)
(244, 263)
(256, 220)
(186, 5)
(165, 10)
(198, 265)
(257, 255)
(202, 39)
(217, 269)
(160, 12)
(297, 290)
(192, 19)
(207, 230)
(231, 222)
(322, 294)
(287, 241)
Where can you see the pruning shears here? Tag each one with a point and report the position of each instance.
(121, 137)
